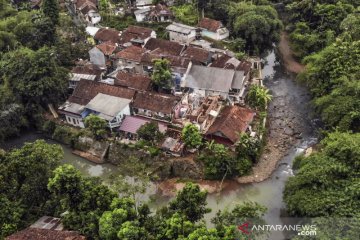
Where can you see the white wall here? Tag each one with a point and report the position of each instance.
(75, 121)
(182, 38)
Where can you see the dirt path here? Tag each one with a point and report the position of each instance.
(287, 56)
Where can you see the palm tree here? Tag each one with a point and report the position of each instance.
(258, 97)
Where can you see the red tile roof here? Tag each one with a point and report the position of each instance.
(107, 34)
(220, 61)
(135, 32)
(134, 81)
(155, 102)
(90, 69)
(197, 54)
(45, 234)
(86, 90)
(167, 47)
(210, 24)
(231, 121)
(132, 53)
(107, 48)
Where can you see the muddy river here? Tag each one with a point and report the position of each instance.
(290, 105)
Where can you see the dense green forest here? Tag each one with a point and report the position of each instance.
(325, 36)
(36, 50)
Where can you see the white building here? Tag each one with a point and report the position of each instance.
(110, 108)
(181, 33)
(213, 29)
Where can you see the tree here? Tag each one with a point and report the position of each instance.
(175, 227)
(161, 75)
(191, 136)
(96, 125)
(258, 25)
(34, 77)
(50, 9)
(84, 199)
(217, 160)
(326, 183)
(332, 76)
(247, 212)
(191, 202)
(149, 132)
(258, 97)
(186, 14)
(351, 25)
(247, 147)
(24, 174)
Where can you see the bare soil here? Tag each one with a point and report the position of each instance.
(288, 59)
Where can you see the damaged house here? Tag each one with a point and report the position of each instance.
(211, 81)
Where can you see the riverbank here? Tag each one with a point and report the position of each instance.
(287, 56)
(289, 122)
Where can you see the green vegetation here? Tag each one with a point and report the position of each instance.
(51, 10)
(96, 125)
(259, 25)
(191, 136)
(24, 175)
(221, 163)
(186, 14)
(122, 217)
(258, 97)
(161, 75)
(149, 132)
(35, 55)
(327, 182)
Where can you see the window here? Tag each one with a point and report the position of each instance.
(74, 121)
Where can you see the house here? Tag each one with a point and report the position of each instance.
(110, 108)
(160, 13)
(100, 55)
(48, 234)
(143, 3)
(48, 228)
(178, 64)
(86, 10)
(197, 55)
(157, 13)
(142, 14)
(166, 47)
(211, 81)
(74, 109)
(132, 81)
(181, 33)
(107, 35)
(87, 71)
(154, 105)
(213, 29)
(135, 35)
(130, 59)
(231, 121)
(131, 124)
